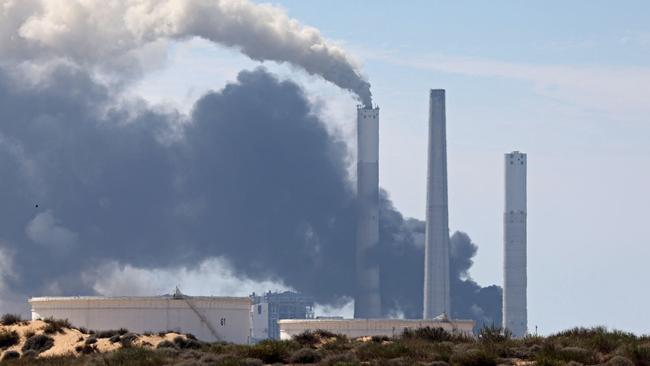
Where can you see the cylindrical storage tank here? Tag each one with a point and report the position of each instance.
(208, 318)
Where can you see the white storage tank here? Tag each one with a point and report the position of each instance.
(355, 328)
(208, 318)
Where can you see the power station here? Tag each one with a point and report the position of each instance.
(367, 304)
(437, 300)
(243, 320)
(514, 245)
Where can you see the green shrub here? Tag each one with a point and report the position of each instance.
(371, 351)
(494, 334)
(38, 343)
(251, 362)
(166, 344)
(379, 339)
(187, 343)
(114, 339)
(340, 359)
(305, 355)
(86, 349)
(638, 353)
(8, 338)
(127, 339)
(10, 355)
(619, 361)
(306, 338)
(54, 326)
(472, 357)
(576, 354)
(110, 333)
(428, 334)
(271, 351)
(91, 340)
(597, 338)
(10, 319)
(309, 338)
(135, 356)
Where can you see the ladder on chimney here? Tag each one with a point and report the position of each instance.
(204, 320)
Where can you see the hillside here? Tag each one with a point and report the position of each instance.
(53, 342)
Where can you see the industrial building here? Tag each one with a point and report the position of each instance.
(437, 299)
(281, 315)
(367, 299)
(267, 309)
(208, 318)
(354, 328)
(514, 245)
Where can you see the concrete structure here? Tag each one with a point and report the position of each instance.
(367, 302)
(273, 306)
(354, 328)
(514, 245)
(436, 251)
(208, 318)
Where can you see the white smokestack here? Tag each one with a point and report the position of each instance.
(98, 31)
(437, 299)
(367, 302)
(514, 245)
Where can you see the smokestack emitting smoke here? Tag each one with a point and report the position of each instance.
(119, 182)
(368, 299)
(95, 31)
(437, 300)
(514, 245)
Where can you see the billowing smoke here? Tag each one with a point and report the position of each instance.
(96, 185)
(402, 243)
(253, 176)
(105, 33)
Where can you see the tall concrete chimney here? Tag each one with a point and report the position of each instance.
(436, 251)
(367, 304)
(515, 317)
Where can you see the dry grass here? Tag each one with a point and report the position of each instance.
(579, 346)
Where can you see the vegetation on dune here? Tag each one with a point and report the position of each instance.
(38, 343)
(10, 319)
(8, 338)
(426, 346)
(54, 326)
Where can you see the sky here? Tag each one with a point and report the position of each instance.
(565, 82)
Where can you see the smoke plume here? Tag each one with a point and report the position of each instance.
(253, 177)
(402, 272)
(95, 183)
(97, 32)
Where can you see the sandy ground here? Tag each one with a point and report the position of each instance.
(65, 343)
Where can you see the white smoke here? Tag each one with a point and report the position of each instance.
(214, 276)
(93, 32)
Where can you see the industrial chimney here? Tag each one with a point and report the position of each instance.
(436, 251)
(367, 302)
(514, 245)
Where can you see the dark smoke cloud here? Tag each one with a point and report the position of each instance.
(402, 268)
(251, 175)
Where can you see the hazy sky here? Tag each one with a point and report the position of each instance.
(566, 82)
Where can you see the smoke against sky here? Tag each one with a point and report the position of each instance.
(98, 186)
(253, 177)
(107, 35)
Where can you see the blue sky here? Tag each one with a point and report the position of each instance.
(566, 82)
